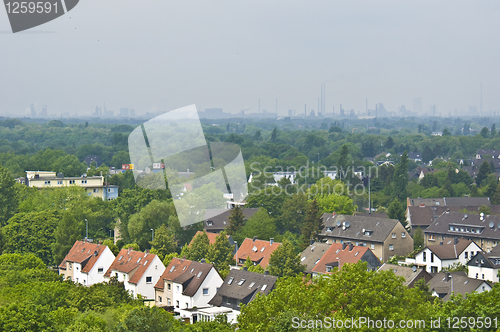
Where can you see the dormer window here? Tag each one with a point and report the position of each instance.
(263, 248)
(121, 257)
(230, 281)
(254, 248)
(303, 258)
(210, 223)
(328, 229)
(241, 282)
(138, 260)
(172, 269)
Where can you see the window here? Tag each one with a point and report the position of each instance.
(178, 288)
(84, 181)
(432, 257)
(254, 248)
(121, 257)
(230, 281)
(169, 302)
(199, 274)
(251, 285)
(391, 247)
(177, 304)
(71, 181)
(424, 256)
(466, 255)
(393, 235)
(241, 282)
(70, 266)
(328, 269)
(187, 305)
(432, 238)
(59, 182)
(96, 190)
(149, 280)
(47, 183)
(159, 299)
(303, 258)
(138, 260)
(205, 291)
(403, 235)
(169, 286)
(372, 246)
(482, 276)
(477, 275)
(110, 190)
(471, 254)
(263, 288)
(263, 248)
(100, 270)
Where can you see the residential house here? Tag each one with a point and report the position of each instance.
(259, 251)
(385, 237)
(482, 154)
(443, 285)
(93, 185)
(138, 271)
(339, 254)
(485, 266)
(415, 156)
(218, 219)
(186, 285)
(312, 255)
(240, 287)
(483, 229)
(410, 274)
(448, 201)
(86, 263)
(443, 255)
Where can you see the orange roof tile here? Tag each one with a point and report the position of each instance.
(84, 253)
(344, 256)
(258, 250)
(211, 236)
(134, 263)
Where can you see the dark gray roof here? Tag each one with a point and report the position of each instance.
(461, 284)
(462, 222)
(489, 260)
(449, 201)
(379, 228)
(409, 273)
(449, 250)
(312, 254)
(373, 214)
(221, 219)
(426, 215)
(243, 291)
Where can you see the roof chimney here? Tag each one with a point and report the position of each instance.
(455, 241)
(254, 238)
(129, 250)
(447, 276)
(271, 241)
(203, 260)
(266, 272)
(351, 246)
(334, 214)
(312, 242)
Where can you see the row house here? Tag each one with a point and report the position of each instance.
(384, 237)
(86, 263)
(485, 265)
(138, 271)
(259, 251)
(185, 285)
(483, 229)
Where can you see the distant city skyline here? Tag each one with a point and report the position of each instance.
(158, 56)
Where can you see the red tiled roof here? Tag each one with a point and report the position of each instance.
(211, 236)
(258, 251)
(177, 266)
(134, 263)
(345, 256)
(84, 253)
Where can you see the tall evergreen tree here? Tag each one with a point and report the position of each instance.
(482, 174)
(236, 220)
(8, 198)
(313, 224)
(396, 210)
(400, 179)
(68, 231)
(274, 135)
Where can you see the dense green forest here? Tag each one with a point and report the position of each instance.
(39, 226)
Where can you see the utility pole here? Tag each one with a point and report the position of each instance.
(86, 229)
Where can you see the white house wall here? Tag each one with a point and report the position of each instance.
(483, 273)
(154, 270)
(104, 261)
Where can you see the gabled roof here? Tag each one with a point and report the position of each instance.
(84, 253)
(190, 274)
(462, 284)
(378, 228)
(259, 251)
(466, 221)
(449, 201)
(449, 250)
(234, 288)
(409, 273)
(221, 218)
(489, 260)
(336, 256)
(132, 262)
(426, 215)
(312, 255)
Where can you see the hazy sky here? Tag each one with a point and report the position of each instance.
(160, 55)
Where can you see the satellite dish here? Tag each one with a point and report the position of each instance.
(363, 231)
(338, 223)
(347, 224)
(491, 224)
(465, 216)
(481, 214)
(498, 225)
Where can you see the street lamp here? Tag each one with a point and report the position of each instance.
(152, 235)
(109, 233)
(86, 229)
